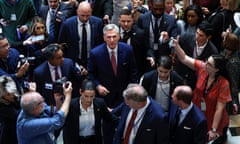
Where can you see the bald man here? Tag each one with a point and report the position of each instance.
(37, 122)
(71, 33)
(191, 126)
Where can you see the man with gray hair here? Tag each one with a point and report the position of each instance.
(142, 119)
(112, 67)
(37, 122)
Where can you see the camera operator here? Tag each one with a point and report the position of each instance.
(35, 124)
(54, 69)
(9, 63)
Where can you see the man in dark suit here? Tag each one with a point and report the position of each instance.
(131, 34)
(78, 128)
(198, 46)
(71, 33)
(161, 82)
(54, 68)
(112, 66)
(54, 14)
(9, 58)
(188, 124)
(159, 28)
(112, 81)
(143, 121)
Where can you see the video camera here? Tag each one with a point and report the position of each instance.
(58, 85)
(23, 59)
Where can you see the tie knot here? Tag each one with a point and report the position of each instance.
(84, 24)
(113, 52)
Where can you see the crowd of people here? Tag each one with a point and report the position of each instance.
(155, 76)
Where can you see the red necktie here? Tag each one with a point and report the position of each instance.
(129, 127)
(114, 63)
(56, 73)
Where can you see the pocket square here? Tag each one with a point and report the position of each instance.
(187, 128)
(148, 129)
(124, 64)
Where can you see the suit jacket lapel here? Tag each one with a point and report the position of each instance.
(145, 118)
(92, 29)
(48, 75)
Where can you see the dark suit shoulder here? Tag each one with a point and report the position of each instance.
(70, 20)
(94, 18)
(68, 61)
(99, 101)
(169, 18)
(198, 114)
(176, 76)
(41, 67)
(156, 109)
(125, 46)
(150, 74)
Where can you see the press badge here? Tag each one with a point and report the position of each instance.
(203, 106)
(155, 46)
(13, 17)
(48, 86)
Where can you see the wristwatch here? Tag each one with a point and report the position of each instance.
(214, 130)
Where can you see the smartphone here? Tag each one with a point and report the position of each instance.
(38, 38)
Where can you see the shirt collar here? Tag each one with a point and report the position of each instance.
(203, 46)
(81, 107)
(110, 50)
(164, 82)
(80, 23)
(51, 66)
(186, 110)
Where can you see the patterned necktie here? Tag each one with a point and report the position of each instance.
(56, 73)
(84, 43)
(114, 62)
(129, 127)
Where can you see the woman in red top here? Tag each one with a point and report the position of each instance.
(212, 90)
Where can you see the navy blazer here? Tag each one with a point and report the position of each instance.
(42, 77)
(67, 11)
(9, 67)
(153, 128)
(192, 130)
(101, 72)
(71, 127)
(168, 23)
(69, 34)
(150, 79)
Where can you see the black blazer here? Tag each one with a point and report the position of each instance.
(138, 43)
(71, 127)
(149, 82)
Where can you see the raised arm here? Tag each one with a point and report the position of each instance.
(185, 59)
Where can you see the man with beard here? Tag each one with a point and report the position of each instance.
(159, 28)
